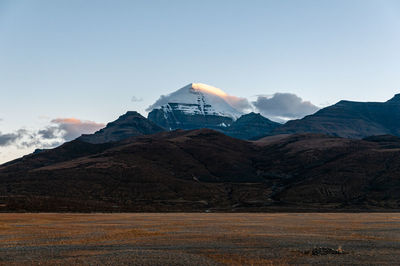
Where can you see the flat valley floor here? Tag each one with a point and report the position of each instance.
(199, 239)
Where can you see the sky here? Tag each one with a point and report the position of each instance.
(72, 66)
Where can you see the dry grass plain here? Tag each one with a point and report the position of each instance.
(198, 238)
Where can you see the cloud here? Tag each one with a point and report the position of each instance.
(60, 130)
(69, 128)
(239, 103)
(136, 99)
(163, 100)
(7, 139)
(284, 106)
(20, 137)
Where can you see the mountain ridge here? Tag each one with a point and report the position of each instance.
(350, 119)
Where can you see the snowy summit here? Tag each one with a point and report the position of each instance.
(198, 99)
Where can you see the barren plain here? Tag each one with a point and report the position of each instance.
(199, 239)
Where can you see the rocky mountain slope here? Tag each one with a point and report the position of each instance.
(203, 170)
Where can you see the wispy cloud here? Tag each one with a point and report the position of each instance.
(136, 99)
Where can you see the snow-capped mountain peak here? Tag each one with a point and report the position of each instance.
(198, 99)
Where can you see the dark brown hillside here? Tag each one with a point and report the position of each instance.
(336, 171)
(203, 170)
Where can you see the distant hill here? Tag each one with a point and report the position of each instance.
(203, 170)
(350, 119)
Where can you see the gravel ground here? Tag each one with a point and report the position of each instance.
(200, 239)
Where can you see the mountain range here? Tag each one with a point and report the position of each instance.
(198, 106)
(196, 152)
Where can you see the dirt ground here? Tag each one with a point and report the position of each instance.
(199, 239)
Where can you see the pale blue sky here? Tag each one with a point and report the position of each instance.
(87, 59)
